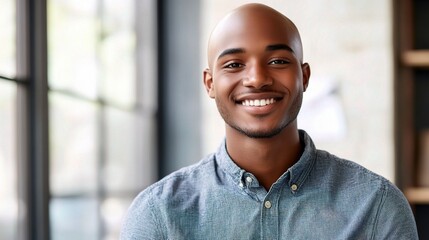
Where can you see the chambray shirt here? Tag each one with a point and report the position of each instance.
(319, 197)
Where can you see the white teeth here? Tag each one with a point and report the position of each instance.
(258, 102)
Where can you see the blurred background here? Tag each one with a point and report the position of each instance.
(99, 99)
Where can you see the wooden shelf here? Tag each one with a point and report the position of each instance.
(416, 58)
(417, 195)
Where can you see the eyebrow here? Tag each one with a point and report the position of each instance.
(231, 51)
(275, 47)
(269, 48)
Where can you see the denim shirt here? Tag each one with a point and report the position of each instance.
(319, 197)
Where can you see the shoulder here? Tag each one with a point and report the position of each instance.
(144, 216)
(393, 215)
(348, 174)
(181, 180)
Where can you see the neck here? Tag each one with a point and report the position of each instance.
(266, 158)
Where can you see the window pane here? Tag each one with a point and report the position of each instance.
(8, 162)
(121, 152)
(73, 146)
(118, 52)
(8, 37)
(73, 31)
(113, 211)
(74, 218)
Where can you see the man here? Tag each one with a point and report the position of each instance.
(267, 180)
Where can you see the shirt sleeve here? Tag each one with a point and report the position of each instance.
(395, 219)
(141, 222)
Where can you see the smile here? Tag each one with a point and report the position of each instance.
(258, 102)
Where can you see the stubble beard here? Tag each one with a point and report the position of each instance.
(293, 114)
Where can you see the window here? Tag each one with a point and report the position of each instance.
(8, 129)
(100, 155)
(100, 90)
(8, 161)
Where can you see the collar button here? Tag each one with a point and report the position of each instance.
(294, 187)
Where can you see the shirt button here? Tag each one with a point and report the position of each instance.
(249, 179)
(294, 187)
(267, 204)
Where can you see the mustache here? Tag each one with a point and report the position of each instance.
(259, 94)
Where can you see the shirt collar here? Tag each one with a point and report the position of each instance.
(227, 164)
(298, 172)
(302, 168)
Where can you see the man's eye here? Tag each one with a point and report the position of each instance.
(234, 65)
(278, 61)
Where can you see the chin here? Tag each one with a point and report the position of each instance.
(260, 133)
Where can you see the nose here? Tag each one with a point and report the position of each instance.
(257, 77)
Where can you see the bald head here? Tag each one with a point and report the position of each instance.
(253, 22)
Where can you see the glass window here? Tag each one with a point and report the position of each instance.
(8, 158)
(8, 37)
(73, 30)
(74, 218)
(8, 162)
(121, 150)
(112, 212)
(73, 145)
(118, 52)
(96, 163)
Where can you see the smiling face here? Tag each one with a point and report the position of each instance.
(255, 71)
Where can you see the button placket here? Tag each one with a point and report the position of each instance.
(270, 214)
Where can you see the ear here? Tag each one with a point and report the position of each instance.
(208, 82)
(306, 72)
